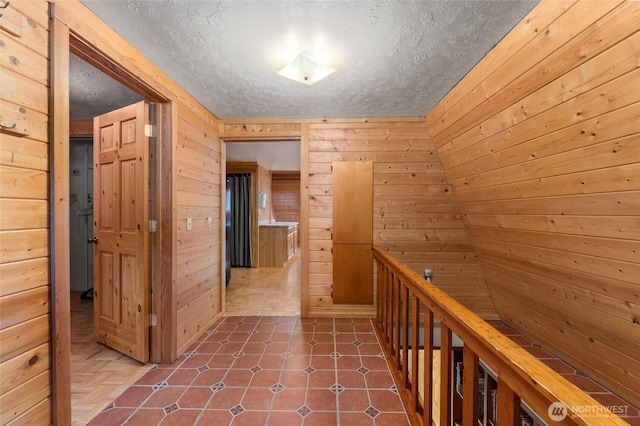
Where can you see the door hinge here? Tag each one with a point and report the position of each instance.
(153, 320)
(150, 130)
(153, 226)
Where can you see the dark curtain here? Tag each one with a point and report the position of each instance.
(240, 219)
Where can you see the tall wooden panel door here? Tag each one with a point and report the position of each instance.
(352, 232)
(121, 244)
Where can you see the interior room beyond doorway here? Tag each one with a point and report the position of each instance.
(271, 285)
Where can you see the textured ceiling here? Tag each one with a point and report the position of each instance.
(393, 58)
(270, 155)
(92, 93)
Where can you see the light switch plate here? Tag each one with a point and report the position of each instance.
(189, 224)
(209, 222)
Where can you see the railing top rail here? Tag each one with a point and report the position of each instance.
(530, 378)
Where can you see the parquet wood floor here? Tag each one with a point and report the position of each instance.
(265, 291)
(98, 374)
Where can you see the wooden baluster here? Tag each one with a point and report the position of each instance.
(470, 389)
(415, 354)
(382, 320)
(427, 414)
(379, 291)
(398, 317)
(390, 302)
(445, 375)
(405, 336)
(508, 405)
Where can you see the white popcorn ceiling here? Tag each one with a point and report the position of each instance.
(393, 58)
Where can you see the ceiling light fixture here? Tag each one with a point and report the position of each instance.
(306, 69)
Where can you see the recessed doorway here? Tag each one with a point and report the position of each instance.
(269, 289)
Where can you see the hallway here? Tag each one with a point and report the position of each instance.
(259, 365)
(256, 370)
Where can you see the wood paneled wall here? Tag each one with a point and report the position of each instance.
(285, 189)
(540, 144)
(198, 169)
(25, 334)
(414, 214)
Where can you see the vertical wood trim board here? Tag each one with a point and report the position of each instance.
(304, 225)
(539, 143)
(60, 255)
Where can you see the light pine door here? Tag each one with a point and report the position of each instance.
(121, 245)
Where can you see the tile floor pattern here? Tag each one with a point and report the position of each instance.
(256, 370)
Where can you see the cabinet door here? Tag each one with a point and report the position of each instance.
(353, 202)
(352, 273)
(352, 232)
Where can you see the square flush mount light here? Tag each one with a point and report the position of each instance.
(305, 69)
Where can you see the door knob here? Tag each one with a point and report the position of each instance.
(93, 240)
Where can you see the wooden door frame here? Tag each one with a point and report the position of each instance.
(71, 32)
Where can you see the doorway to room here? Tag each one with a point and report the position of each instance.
(270, 285)
(98, 373)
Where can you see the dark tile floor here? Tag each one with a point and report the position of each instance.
(268, 371)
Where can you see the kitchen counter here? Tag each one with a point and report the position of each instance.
(278, 242)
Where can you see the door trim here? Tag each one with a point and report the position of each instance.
(73, 29)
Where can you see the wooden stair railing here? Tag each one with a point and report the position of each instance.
(406, 307)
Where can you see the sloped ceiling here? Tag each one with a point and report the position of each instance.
(392, 58)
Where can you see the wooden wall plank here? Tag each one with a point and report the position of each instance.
(23, 214)
(21, 399)
(16, 56)
(597, 226)
(261, 130)
(33, 18)
(24, 152)
(24, 367)
(23, 275)
(23, 183)
(23, 306)
(22, 91)
(23, 245)
(39, 414)
(24, 336)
